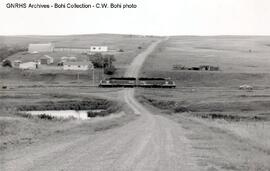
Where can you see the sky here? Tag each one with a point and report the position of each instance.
(151, 17)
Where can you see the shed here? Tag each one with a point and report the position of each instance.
(46, 60)
(78, 66)
(36, 48)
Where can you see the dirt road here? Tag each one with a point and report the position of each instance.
(151, 142)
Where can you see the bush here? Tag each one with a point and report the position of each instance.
(180, 109)
(47, 117)
(109, 70)
(101, 61)
(121, 50)
(92, 114)
(7, 63)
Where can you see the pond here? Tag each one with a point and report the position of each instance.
(78, 114)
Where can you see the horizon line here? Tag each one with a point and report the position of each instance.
(130, 34)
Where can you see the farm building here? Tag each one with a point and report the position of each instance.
(78, 66)
(98, 49)
(46, 60)
(28, 65)
(16, 63)
(209, 68)
(36, 48)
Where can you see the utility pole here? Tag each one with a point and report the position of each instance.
(102, 68)
(78, 76)
(93, 77)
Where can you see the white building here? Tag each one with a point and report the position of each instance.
(78, 66)
(36, 48)
(28, 65)
(98, 49)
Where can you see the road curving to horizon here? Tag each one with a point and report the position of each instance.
(151, 142)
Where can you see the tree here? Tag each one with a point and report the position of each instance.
(109, 70)
(108, 59)
(103, 61)
(97, 60)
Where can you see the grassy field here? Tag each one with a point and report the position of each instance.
(210, 103)
(129, 44)
(50, 87)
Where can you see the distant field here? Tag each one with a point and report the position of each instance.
(213, 91)
(129, 44)
(213, 98)
(232, 54)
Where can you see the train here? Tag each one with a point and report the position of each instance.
(140, 82)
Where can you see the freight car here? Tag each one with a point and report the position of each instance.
(118, 82)
(155, 83)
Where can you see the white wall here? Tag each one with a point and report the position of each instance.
(98, 49)
(28, 65)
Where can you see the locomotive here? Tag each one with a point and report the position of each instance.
(156, 83)
(140, 82)
(118, 82)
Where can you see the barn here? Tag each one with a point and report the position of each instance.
(98, 49)
(36, 48)
(46, 60)
(78, 66)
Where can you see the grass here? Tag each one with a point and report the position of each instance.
(21, 129)
(127, 43)
(256, 132)
(92, 104)
(51, 88)
(233, 123)
(231, 53)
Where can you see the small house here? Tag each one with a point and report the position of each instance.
(46, 60)
(78, 66)
(36, 48)
(98, 49)
(28, 65)
(16, 63)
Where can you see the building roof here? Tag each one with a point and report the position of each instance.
(79, 63)
(46, 57)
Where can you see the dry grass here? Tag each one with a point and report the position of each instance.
(129, 45)
(256, 132)
(228, 126)
(231, 54)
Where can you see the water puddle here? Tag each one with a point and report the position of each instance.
(80, 114)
